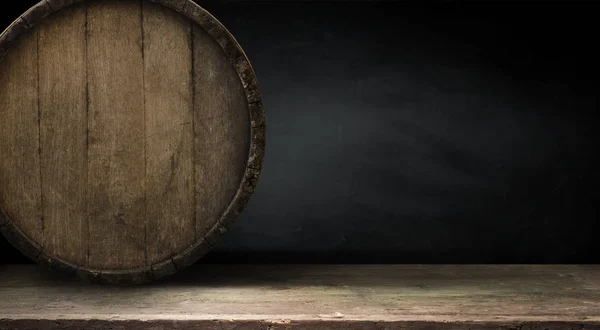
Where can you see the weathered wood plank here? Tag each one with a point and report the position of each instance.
(274, 324)
(222, 130)
(20, 184)
(318, 296)
(63, 110)
(116, 135)
(169, 132)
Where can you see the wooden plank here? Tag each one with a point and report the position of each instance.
(116, 135)
(169, 132)
(20, 184)
(304, 324)
(319, 296)
(221, 128)
(63, 110)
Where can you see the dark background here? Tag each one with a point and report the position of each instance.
(413, 132)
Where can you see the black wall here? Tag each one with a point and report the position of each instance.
(405, 132)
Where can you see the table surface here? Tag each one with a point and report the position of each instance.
(322, 296)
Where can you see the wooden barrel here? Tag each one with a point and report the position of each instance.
(132, 134)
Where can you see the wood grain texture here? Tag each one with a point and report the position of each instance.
(169, 132)
(221, 130)
(117, 195)
(317, 297)
(20, 184)
(133, 146)
(63, 125)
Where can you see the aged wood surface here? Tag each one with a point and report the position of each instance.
(222, 131)
(63, 125)
(20, 184)
(323, 296)
(133, 133)
(169, 132)
(117, 153)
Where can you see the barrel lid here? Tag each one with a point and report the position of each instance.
(12, 176)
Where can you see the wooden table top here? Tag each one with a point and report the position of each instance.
(313, 296)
